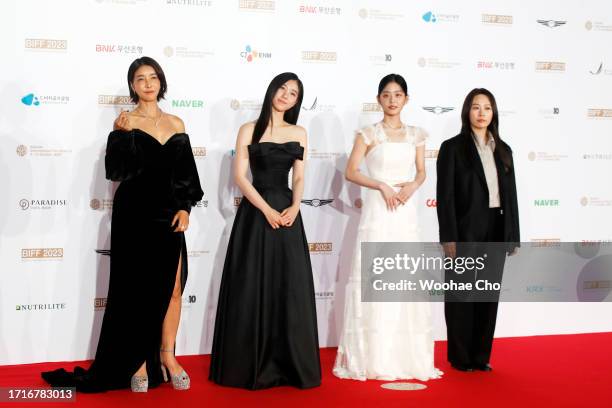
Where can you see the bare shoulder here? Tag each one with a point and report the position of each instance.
(299, 133)
(245, 133)
(177, 122)
(247, 127)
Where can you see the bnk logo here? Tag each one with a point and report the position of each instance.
(30, 99)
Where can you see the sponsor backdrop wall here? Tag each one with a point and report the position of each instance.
(64, 81)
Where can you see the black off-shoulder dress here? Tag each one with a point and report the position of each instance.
(266, 325)
(157, 180)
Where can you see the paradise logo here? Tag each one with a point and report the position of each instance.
(25, 204)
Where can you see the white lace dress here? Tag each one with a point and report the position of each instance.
(386, 340)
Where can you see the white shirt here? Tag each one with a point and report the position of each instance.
(485, 151)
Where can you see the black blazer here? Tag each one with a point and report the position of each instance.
(463, 197)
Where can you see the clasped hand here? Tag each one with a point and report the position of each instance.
(394, 199)
(286, 218)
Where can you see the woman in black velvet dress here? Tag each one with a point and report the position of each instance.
(266, 324)
(150, 154)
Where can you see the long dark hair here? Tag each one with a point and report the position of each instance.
(397, 78)
(139, 62)
(493, 128)
(290, 116)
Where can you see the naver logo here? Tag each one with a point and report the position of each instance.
(187, 103)
(546, 203)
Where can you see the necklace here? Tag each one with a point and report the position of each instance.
(155, 121)
(385, 124)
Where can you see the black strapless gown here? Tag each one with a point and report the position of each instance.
(156, 181)
(266, 324)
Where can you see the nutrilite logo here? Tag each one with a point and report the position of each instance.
(36, 307)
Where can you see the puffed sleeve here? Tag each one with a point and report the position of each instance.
(124, 158)
(186, 182)
(366, 134)
(421, 136)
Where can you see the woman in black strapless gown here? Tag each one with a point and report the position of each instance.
(159, 185)
(266, 324)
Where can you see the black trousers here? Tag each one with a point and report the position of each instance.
(471, 324)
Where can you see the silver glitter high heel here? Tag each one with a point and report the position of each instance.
(139, 383)
(180, 381)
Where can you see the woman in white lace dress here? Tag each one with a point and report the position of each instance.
(386, 340)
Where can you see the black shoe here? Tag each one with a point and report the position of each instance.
(462, 367)
(484, 367)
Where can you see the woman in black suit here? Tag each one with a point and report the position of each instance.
(476, 203)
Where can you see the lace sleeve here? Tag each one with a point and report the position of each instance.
(366, 134)
(420, 136)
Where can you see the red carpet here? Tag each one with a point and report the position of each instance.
(541, 371)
